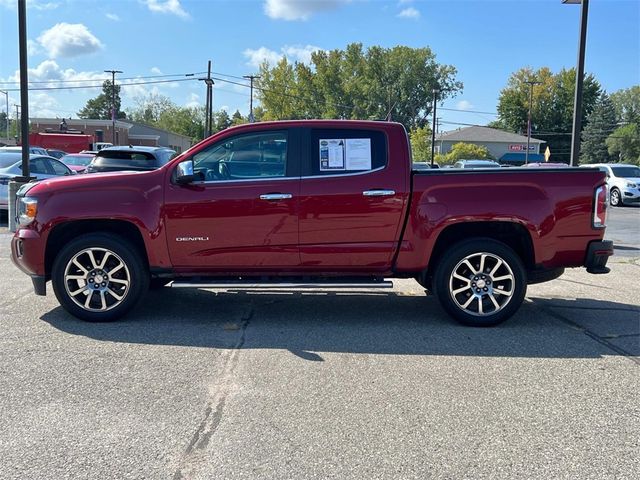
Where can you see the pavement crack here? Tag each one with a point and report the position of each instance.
(592, 335)
(194, 453)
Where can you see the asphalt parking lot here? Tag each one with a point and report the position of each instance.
(226, 384)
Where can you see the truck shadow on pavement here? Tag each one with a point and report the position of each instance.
(308, 324)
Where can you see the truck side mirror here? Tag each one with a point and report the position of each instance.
(184, 173)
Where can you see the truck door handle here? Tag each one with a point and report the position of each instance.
(270, 197)
(378, 193)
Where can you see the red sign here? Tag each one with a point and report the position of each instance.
(521, 148)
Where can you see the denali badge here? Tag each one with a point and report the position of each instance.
(192, 239)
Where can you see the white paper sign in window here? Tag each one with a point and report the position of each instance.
(358, 154)
(332, 154)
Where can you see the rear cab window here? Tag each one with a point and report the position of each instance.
(123, 158)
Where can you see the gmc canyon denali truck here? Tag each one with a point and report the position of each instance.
(325, 203)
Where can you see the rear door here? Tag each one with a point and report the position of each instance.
(352, 199)
(244, 215)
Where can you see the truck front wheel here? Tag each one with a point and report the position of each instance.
(99, 277)
(480, 282)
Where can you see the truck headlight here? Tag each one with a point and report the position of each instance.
(27, 209)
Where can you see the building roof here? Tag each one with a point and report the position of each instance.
(484, 134)
(72, 122)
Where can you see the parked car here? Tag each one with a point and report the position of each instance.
(37, 150)
(321, 202)
(546, 165)
(113, 159)
(77, 161)
(40, 167)
(56, 153)
(476, 164)
(623, 181)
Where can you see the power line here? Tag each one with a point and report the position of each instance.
(100, 86)
(79, 80)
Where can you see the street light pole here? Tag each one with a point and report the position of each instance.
(113, 102)
(577, 102)
(531, 83)
(433, 128)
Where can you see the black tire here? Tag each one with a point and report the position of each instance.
(615, 198)
(118, 287)
(479, 298)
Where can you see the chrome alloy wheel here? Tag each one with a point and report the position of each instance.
(97, 279)
(482, 284)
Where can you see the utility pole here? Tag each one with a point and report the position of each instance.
(531, 83)
(433, 128)
(251, 77)
(113, 102)
(17, 122)
(208, 120)
(6, 94)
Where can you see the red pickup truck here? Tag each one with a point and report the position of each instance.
(320, 202)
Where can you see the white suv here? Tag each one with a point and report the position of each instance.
(623, 181)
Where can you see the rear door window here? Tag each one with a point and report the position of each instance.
(335, 151)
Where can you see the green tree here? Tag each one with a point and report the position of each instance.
(421, 143)
(100, 107)
(465, 151)
(627, 104)
(221, 120)
(552, 109)
(601, 123)
(355, 83)
(187, 121)
(624, 144)
(238, 119)
(148, 109)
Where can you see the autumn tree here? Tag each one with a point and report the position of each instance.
(100, 107)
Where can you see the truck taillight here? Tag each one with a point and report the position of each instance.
(600, 207)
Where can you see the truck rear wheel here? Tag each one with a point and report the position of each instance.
(99, 277)
(480, 282)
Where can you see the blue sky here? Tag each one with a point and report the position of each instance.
(75, 40)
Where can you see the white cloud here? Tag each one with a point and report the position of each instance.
(193, 101)
(299, 9)
(294, 53)
(32, 48)
(409, 13)
(42, 105)
(113, 16)
(464, 105)
(172, 7)
(49, 74)
(35, 4)
(69, 40)
(156, 71)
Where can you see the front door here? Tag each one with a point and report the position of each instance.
(243, 215)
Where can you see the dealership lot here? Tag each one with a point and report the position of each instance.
(229, 384)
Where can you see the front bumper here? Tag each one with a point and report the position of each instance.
(598, 253)
(27, 253)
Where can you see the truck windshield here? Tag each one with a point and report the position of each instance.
(626, 172)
